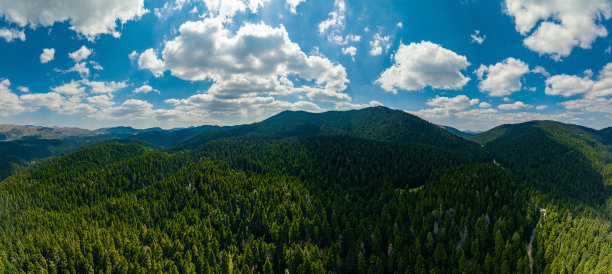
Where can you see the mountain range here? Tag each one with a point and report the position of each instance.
(370, 190)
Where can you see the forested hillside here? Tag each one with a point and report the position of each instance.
(571, 166)
(368, 191)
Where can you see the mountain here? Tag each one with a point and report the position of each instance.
(164, 138)
(372, 190)
(374, 123)
(459, 133)
(571, 166)
(14, 132)
(36, 149)
(298, 192)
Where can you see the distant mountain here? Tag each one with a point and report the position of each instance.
(164, 138)
(124, 130)
(14, 132)
(459, 133)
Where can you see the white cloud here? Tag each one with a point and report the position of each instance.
(349, 106)
(246, 107)
(96, 65)
(258, 59)
(380, 44)
(100, 101)
(400, 25)
(104, 87)
(601, 105)
(81, 68)
(565, 24)
(74, 88)
(10, 35)
(336, 18)
(540, 70)
(334, 25)
(145, 89)
(87, 17)
(444, 107)
(227, 9)
(47, 55)
(24, 89)
(81, 54)
(515, 106)
(292, 4)
(567, 85)
(503, 78)
(476, 38)
(9, 101)
(148, 60)
(65, 99)
(457, 103)
(473, 118)
(484, 105)
(541, 107)
(351, 51)
(419, 65)
(133, 55)
(570, 85)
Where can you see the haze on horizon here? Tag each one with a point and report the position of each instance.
(471, 65)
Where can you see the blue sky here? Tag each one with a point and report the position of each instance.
(472, 64)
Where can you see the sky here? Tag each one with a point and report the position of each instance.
(470, 64)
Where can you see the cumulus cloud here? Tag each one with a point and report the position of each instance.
(148, 60)
(515, 106)
(541, 107)
(292, 5)
(74, 88)
(560, 25)
(503, 78)
(87, 17)
(601, 105)
(570, 85)
(9, 101)
(10, 35)
(145, 89)
(419, 65)
(255, 106)
(463, 113)
(63, 99)
(444, 107)
(457, 103)
(47, 55)
(100, 101)
(258, 59)
(484, 105)
(379, 44)
(81, 54)
(351, 51)
(349, 106)
(477, 38)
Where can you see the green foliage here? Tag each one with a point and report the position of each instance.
(370, 191)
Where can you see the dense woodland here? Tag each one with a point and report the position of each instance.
(368, 191)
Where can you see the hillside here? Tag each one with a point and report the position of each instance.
(305, 193)
(315, 203)
(571, 166)
(374, 123)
